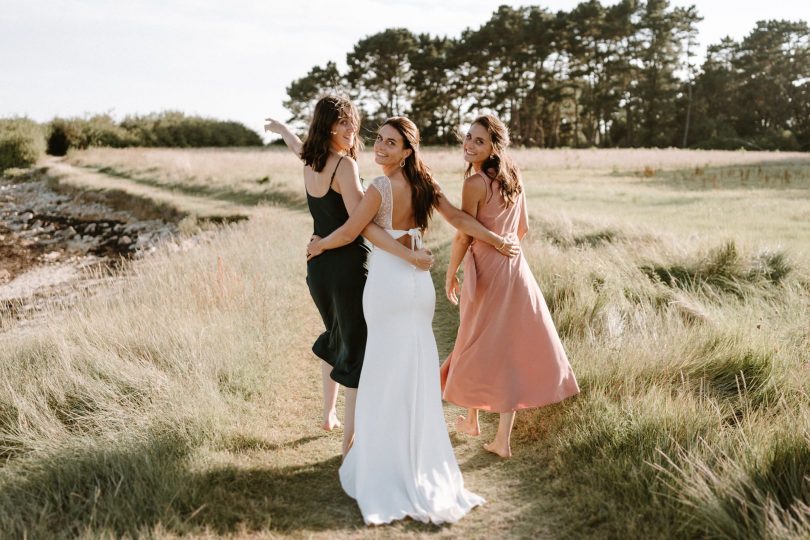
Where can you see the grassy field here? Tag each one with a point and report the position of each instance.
(185, 401)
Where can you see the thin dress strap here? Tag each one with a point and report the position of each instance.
(332, 178)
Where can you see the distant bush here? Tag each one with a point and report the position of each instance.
(22, 143)
(81, 133)
(167, 129)
(174, 129)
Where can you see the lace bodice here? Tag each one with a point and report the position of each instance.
(383, 217)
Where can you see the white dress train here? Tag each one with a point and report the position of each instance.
(402, 463)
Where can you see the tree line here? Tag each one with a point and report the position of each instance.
(623, 75)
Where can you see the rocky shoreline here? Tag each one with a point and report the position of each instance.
(49, 240)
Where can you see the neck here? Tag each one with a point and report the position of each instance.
(477, 166)
(336, 149)
(389, 170)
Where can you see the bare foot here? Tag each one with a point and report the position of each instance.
(503, 450)
(470, 427)
(331, 422)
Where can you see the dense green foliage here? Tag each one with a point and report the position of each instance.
(620, 75)
(168, 129)
(21, 143)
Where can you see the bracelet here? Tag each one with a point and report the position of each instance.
(503, 243)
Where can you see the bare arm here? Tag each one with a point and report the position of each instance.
(472, 195)
(421, 258)
(362, 209)
(290, 139)
(471, 226)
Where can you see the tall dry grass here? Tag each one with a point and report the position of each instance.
(184, 400)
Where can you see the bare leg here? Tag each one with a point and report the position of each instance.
(469, 425)
(330, 393)
(501, 444)
(350, 396)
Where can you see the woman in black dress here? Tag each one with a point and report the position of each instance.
(336, 282)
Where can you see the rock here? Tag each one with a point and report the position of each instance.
(124, 240)
(90, 229)
(70, 232)
(27, 216)
(118, 228)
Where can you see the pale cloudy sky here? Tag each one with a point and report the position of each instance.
(233, 60)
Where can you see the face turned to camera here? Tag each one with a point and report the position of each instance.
(389, 147)
(343, 133)
(477, 144)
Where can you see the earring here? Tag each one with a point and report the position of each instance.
(333, 132)
(401, 163)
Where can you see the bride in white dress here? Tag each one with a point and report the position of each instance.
(402, 463)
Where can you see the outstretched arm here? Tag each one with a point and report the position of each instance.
(290, 139)
(472, 227)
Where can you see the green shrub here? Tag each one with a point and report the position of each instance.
(81, 133)
(167, 129)
(22, 143)
(174, 129)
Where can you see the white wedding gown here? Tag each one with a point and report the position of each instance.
(402, 463)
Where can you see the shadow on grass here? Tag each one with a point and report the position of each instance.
(245, 443)
(135, 488)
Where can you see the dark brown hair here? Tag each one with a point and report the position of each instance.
(499, 166)
(328, 110)
(424, 192)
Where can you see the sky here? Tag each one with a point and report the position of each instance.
(233, 60)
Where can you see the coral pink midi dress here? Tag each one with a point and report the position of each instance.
(507, 354)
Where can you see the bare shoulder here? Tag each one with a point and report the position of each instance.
(347, 170)
(347, 165)
(476, 184)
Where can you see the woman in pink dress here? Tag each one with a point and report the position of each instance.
(507, 354)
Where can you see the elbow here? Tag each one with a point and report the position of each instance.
(463, 238)
(344, 237)
(456, 219)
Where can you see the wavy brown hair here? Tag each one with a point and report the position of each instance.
(328, 110)
(499, 166)
(424, 192)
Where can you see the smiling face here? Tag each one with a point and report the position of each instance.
(477, 145)
(389, 148)
(343, 133)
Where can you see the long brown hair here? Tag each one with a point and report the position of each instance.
(499, 166)
(424, 192)
(328, 110)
